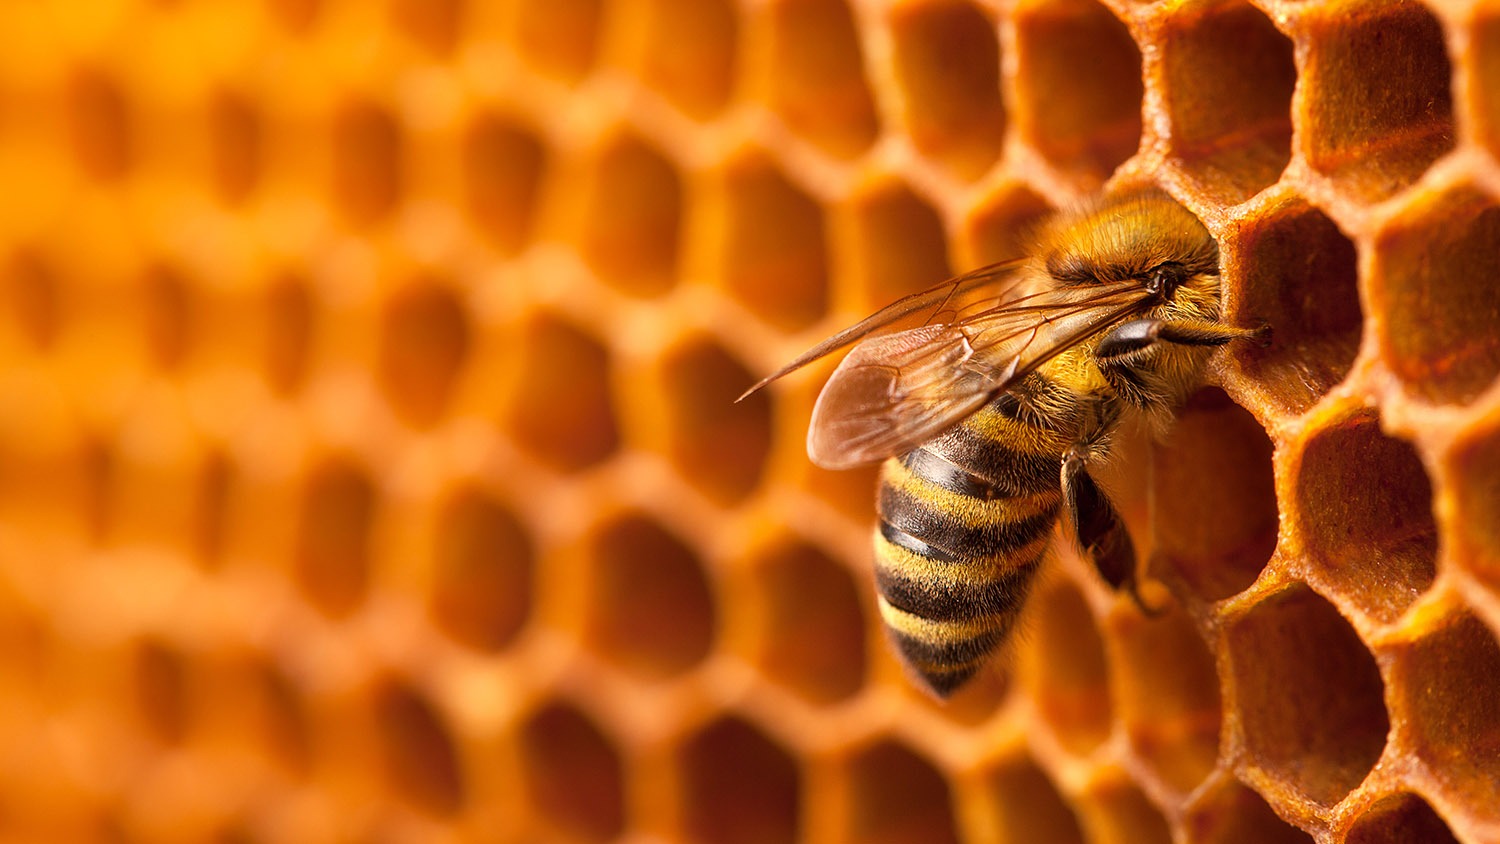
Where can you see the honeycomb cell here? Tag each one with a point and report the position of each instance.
(559, 37)
(1400, 818)
(211, 501)
(1228, 80)
(367, 166)
(650, 607)
(1069, 674)
(1002, 226)
(296, 16)
(237, 146)
(169, 316)
(572, 773)
(332, 553)
(890, 243)
(161, 687)
(562, 410)
(1028, 807)
(1377, 109)
(99, 466)
(631, 218)
(1474, 466)
(503, 164)
(738, 786)
(1215, 508)
(1308, 693)
(690, 53)
(483, 559)
(896, 795)
(1233, 814)
(290, 320)
(811, 635)
(817, 83)
(1301, 277)
(1447, 691)
(281, 723)
(774, 256)
(1118, 813)
(1083, 116)
(1484, 64)
(424, 344)
(1438, 332)
(1364, 510)
(100, 126)
(947, 65)
(434, 25)
(719, 445)
(1169, 699)
(421, 763)
(33, 299)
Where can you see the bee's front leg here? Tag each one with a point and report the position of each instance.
(1131, 340)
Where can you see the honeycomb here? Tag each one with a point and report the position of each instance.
(369, 466)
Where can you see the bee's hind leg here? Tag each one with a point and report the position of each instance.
(1098, 528)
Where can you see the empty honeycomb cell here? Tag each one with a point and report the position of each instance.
(161, 689)
(1484, 65)
(690, 53)
(897, 796)
(573, 773)
(1309, 696)
(891, 243)
(1438, 332)
(632, 217)
(367, 166)
(33, 299)
(1027, 806)
(1397, 819)
(562, 409)
(1474, 466)
(1084, 116)
(812, 630)
(1215, 510)
(1169, 698)
(559, 37)
(1118, 813)
(332, 553)
(774, 259)
(482, 571)
(947, 64)
(1447, 692)
(1233, 814)
(1364, 509)
(281, 723)
(421, 763)
(1068, 674)
(719, 445)
(211, 501)
(236, 138)
(1376, 109)
(650, 608)
(432, 24)
(817, 82)
(169, 316)
(503, 167)
(99, 466)
(1228, 80)
(290, 317)
(1002, 226)
(100, 126)
(1301, 277)
(424, 343)
(738, 786)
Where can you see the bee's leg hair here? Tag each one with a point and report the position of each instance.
(1098, 528)
(1129, 339)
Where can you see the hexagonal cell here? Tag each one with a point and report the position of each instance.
(1001, 226)
(718, 445)
(1066, 668)
(650, 610)
(1083, 116)
(1447, 694)
(1028, 807)
(1436, 326)
(1169, 698)
(1364, 510)
(502, 168)
(817, 82)
(559, 37)
(367, 178)
(690, 52)
(896, 795)
(161, 689)
(774, 257)
(482, 571)
(1310, 698)
(631, 217)
(331, 558)
(1376, 109)
(33, 298)
(573, 773)
(1215, 513)
(1300, 276)
(1474, 472)
(562, 409)
(210, 518)
(167, 300)
(290, 320)
(281, 719)
(811, 626)
(421, 761)
(947, 63)
(296, 16)
(1400, 818)
(890, 243)
(236, 146)
(738, 786)
(1228, 79)
(1233, 814)
(1119, 812)
(100, 127)
(424, 343)
(1482, 64)
(434, 25)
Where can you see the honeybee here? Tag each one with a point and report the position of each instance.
(993, 396)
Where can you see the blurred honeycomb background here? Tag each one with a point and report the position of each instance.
(369, 469)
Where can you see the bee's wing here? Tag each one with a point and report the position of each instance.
(895, 392)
